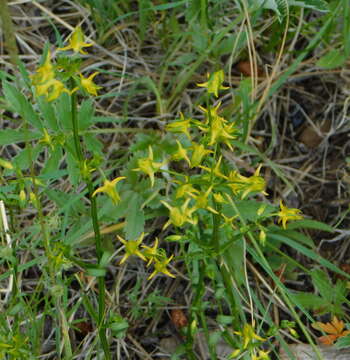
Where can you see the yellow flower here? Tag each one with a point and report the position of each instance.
(22, 198)
(181, 153)
(185, 189)
(34, 200)
(214, 83)
(45, 83)
(151, 253)
(148, 166)
(286, 214)
(248, 335)
(179, 215)
(180, 126)
(86, 169)
(45, 72)
(218, 130)
(235, 353)
(262, 237)
(52, 89)
(246, 185)
(263, 355)
(160, 267)
(216, 170)
(202, 201)
(228, 220)
(6, 164)
(76, 42)
(132, 248)
(109, 188)
(221, 133)
(210, 114)
(219, 198)
(46, 139)
(198, 154)
(89, 85)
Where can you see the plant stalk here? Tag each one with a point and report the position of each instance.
(98, 243)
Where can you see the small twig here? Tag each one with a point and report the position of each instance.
(9, 244)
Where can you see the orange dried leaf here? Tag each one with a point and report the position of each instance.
(335, 329)
(328, 328)
(178, 318)
(327, 340)
(338, 324)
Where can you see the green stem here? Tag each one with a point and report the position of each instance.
(79, 151)
(216, 218)
(98, 242)
(204, 15)
(215, 234)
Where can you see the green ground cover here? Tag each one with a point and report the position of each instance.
(174, 178)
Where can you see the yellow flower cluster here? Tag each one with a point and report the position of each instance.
(249, 342)
(214, 130)
(153, 255)
(46, 78)
(45, 82)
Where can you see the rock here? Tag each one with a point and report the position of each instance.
(306, 352)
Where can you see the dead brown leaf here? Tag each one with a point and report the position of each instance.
(245, 68)
(334, 329)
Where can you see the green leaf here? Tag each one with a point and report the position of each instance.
(118, 325)
(73, 169)
(309, 253)
(21, 105)
(225, 319)
(108, 119)
(280, 7)
(343, 342)
(135, 218)
(292, 234)
(333, 59)
(145, 16)
(322, 283)
(52, 164)
(93, 144)
(346, 26)
(10, 136)
(68, 203)
(248, 209)
(64, 113)
(15, 309)
(106, 256)
(184, 59)
(85, 114)
(309, 300)
(234, 257)
(27, 157)
(319, 5)
(96, 272)
(48, 113)
(310, 224)
(200, 39)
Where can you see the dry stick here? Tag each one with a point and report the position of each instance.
(275, 69)
(9, 244)
(9, 32)
(139, 347)
(252, 53)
